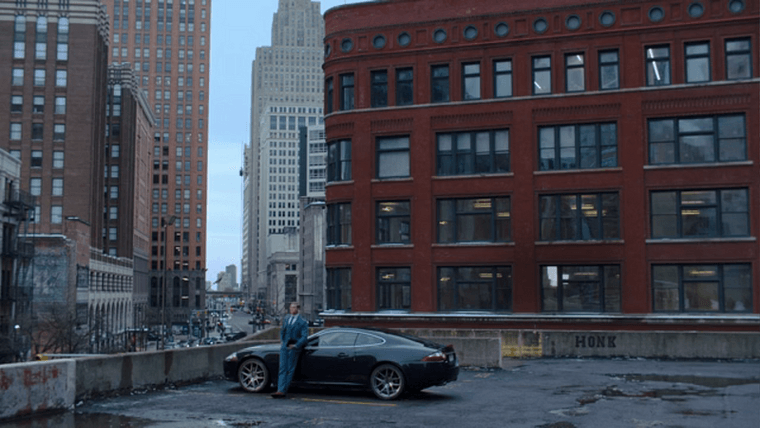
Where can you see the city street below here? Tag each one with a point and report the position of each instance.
(540, 393)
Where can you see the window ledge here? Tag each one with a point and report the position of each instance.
(391, 246)
(699, 240)
(585, 242)
(699, 165)
(579, 171)
(467, 176)
(339, 183)
(472, 244)
(392, 179)
(339, 247)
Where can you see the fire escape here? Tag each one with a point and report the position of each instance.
(16, 295)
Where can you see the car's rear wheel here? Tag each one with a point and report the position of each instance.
(387, 382)
(253, 375)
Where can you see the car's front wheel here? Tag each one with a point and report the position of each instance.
(253, 375)
(387, 382)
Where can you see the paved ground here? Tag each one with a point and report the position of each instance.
(545, 393)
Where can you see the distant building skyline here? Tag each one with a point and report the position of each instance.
(286, 94)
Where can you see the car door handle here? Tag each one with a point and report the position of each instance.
(342, 355)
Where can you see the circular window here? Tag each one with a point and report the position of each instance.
(736, 6)
(404, 39)
(696, 10)
(346, 45)
(439, 35)
(607, 18)
(470, 32)
(573, 22)
(379, 41)
(501, 29)
(328, 50)
(540, 25)
(656, 14)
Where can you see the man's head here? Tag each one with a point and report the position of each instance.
(294, 307)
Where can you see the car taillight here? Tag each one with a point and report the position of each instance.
(436, 357)
(231, 357)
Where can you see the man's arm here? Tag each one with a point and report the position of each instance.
(303, 333)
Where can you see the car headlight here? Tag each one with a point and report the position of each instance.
(435, 357)
(231, 357)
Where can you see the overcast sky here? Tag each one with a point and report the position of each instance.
(238, 27)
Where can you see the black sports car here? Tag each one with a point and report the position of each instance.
(385, 362)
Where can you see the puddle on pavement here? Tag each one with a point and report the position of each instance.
(557, 425)
(78, 420)
(673, 393)
(710, 382)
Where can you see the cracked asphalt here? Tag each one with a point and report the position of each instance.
(542, 393)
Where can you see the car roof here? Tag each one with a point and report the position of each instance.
(385, 333)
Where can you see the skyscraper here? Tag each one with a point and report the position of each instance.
(286, 94)
(167, 43)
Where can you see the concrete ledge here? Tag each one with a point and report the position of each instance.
(36, 387)
(655, 344)
(475, 352)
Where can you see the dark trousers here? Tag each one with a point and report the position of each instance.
(288, 361)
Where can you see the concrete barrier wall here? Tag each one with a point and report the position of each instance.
(150, 369)
(28, 388)
(644, 344)
(668, 344)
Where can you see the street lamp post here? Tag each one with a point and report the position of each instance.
(164, 224)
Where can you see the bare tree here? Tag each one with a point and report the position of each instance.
(58, 330)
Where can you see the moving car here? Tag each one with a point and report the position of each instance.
(231, 337)
(382, 361)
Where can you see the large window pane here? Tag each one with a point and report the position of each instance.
(439, 83)
(393, 157)
(580, 288)
(394, 288)
(480, 152)
(393, 222)
(658, 65)
(609, 70)
(665, 285)
(697, 62)
(542, 76)
(575, 72)
(482, 288)
(404, 87)
(502, 78)
(577, 146)
(473, 220)
(738, 59)
(471, 82)
(379, 92)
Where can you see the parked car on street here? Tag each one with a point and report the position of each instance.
(385, 362)
(231, 337)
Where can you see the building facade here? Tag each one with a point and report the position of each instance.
(54, 63)
(578, 166)
(17, 251)
(167, 45)
(312, 179)
(286, 94)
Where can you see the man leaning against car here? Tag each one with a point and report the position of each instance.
(293, 335)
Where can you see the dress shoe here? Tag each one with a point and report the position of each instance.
(278, 394)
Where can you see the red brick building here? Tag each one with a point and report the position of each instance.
(569, 166)
(168, 46)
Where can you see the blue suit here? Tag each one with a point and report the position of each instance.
(297, 331)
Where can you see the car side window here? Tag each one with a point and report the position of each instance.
(368, 340)
(337, 339)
